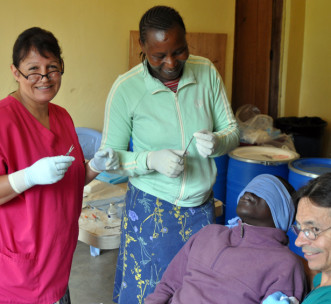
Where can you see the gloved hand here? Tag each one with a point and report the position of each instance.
(47, 170)
(104, 160)
(233, 222)
(280, 298)
(206, 142)
(167, 162)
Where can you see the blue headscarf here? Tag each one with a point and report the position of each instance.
(272, 190)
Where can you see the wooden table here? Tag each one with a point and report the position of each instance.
(94, 226)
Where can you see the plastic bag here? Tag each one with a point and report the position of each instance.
(257, 129)
(245, 113)
(283, 141)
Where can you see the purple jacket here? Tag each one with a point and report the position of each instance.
(240, 265)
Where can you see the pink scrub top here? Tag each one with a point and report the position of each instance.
(39, 227)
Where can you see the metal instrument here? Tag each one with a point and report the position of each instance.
(185, 152)
(70, 149)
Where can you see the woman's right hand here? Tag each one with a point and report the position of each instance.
(47, 170)
(167, 162)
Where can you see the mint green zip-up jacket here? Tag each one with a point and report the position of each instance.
(142, 107)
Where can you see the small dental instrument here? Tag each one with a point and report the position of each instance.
(185, 152)
(70, 149)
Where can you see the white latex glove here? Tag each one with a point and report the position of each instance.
(167, 162)
(206, 142)
(47, 170)
(104, 160)
(280, 298)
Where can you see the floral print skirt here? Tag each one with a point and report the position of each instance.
(153, 231)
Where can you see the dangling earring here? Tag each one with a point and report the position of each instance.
(142, 55)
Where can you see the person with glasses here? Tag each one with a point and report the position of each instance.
(244, 262)
(42, 175)
(313, 228)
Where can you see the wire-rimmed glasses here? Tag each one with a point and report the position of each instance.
(35, 77)
(310, 233)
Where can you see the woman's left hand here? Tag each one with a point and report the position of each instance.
(206, 142)
(104, 160)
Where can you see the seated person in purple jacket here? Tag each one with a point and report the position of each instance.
(242, 264)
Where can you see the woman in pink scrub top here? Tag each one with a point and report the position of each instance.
(41, 187)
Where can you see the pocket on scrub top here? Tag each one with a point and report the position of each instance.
(18, 275)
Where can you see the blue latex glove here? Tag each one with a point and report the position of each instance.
(280, 298)
(207, 142)
(233, 222)
(167, 162)
(104, 160)
(47, 170)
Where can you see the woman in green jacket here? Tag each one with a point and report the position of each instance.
(163, 103)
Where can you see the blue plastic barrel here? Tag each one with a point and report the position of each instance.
(219, 188)
(300, 172)
(220, 183)
(247, 162)
(303, 169)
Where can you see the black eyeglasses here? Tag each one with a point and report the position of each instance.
(309, 233)
(35, 77)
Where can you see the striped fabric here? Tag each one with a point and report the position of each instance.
(172, 85)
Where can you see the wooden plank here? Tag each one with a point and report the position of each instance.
(276, 37)
(251, 61)
(264, 11)
(210, 45)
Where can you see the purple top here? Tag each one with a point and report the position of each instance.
(240, 265)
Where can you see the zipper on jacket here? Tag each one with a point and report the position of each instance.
(183, 147)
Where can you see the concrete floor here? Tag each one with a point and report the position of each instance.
(92, 278)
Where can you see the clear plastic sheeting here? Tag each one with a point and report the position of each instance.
(257, 129)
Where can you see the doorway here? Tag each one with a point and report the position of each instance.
(256, 60)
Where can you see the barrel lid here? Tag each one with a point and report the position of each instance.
(311, 167)
(263, 155)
